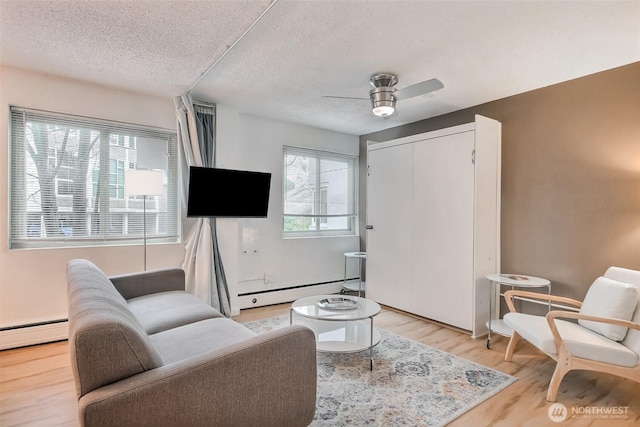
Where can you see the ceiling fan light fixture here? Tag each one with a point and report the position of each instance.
(384, 110)
(383, 102)
(384, 95)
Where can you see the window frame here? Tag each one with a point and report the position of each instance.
(320, 191)
(22, 234)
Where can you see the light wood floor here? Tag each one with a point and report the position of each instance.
(36, 383)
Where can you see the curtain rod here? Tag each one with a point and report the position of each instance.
(232, 46)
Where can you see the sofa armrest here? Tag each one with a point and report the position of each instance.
(266, 380)
(149, 282)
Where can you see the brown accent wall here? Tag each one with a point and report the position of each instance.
(570, 176)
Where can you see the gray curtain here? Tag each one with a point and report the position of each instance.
(203, 266)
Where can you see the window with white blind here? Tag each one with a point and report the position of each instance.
(67, 183)
(319, 193)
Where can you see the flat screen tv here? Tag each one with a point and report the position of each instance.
(227, 193)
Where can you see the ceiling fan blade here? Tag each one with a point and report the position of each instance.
(344, 97)
(418, 89)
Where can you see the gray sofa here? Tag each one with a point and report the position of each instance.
(146, 353)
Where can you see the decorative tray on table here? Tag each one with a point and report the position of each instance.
(338, 303)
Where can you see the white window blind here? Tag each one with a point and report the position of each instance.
(67, 181)
(319, 192)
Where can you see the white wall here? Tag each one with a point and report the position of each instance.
(33, 281)
(254, 143)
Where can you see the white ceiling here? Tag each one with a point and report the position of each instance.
(298, 51)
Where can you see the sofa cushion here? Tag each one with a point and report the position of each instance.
(580, 342)
(198, 338)
(106, 341)
(609, 298)
(166, 310)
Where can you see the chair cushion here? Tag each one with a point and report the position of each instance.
(609, 298)
(580, 342)
(632, 340)
(165, 310)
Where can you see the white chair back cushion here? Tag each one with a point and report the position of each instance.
(609, 298)
(626, 275)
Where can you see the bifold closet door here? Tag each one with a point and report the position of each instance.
(443, 229)
(389, 195)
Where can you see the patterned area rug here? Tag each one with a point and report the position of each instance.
(411, 384)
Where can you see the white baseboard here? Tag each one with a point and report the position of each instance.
(31, 335)
(287, 295)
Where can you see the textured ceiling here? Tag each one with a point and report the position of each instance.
(158, 47)
(301, 50)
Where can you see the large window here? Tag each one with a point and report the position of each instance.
(319, 193)
(67, 181)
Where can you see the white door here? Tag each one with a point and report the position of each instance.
(442, 218)
(389, 193)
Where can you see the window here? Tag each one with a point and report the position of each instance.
(67, 181)
(319, 193)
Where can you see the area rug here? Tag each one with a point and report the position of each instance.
(411, 384)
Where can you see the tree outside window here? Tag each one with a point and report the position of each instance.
(67, 180)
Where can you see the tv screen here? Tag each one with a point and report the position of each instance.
(227, 193)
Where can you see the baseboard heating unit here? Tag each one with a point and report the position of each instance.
(36, 333)
(279, 296)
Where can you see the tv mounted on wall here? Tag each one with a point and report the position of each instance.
(227, 193)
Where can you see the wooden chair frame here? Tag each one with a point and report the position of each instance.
(565, 360)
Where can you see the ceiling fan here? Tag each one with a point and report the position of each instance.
(384, 95)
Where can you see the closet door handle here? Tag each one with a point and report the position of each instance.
(368, 227)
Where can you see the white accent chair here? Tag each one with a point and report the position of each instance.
(605, 338)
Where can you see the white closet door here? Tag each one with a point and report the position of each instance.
(389, 194)
(443, 212)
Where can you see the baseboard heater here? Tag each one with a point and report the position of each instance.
(34, 333)
(58, 330)
(283, 295)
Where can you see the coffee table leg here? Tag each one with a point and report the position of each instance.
(371, 345)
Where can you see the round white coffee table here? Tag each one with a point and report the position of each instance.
(340, 331)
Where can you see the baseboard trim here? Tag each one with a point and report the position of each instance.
(42, 333)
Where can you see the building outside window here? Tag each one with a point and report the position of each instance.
(67, 181)
(319, 193)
